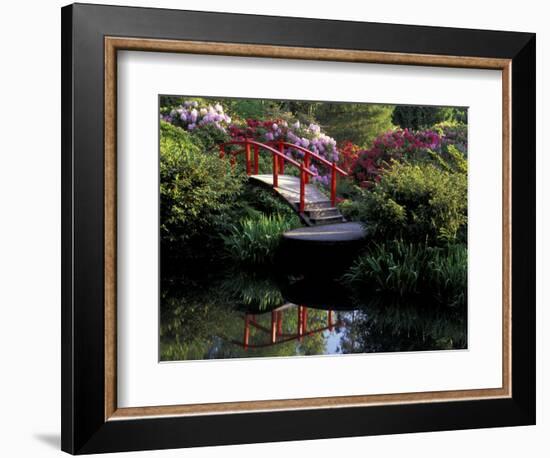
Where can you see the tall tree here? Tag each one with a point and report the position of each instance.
(423, 117)
(357, 122)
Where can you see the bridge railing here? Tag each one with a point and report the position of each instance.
(278, 158)
(308, 155)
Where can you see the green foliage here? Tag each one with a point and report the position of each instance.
(352, 209)
(456, 162)
(422, 117)
(209, 137)
(360, 123)
(196, 192)
(448, 273)
(254, 241)
(169, 101)
(247, 108)
(394, 267)
(266, 202)
(417, 202)
(406, 269)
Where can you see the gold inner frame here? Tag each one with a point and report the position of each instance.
(114, 44)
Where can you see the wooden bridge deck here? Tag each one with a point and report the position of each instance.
(289, 188)
(318, 209)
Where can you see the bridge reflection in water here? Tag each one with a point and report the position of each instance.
(253, 317)
(275, 335)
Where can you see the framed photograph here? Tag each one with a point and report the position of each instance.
(283, 228)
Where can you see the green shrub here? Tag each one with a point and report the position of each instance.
(351, 209)
(254, 241)
(416, 202)
(448, 274)
(406, 269)
(394, 267)
(209, 136)
(197, 190)
(265, 201)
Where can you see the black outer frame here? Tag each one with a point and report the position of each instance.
(84, 429)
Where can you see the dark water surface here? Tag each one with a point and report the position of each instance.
(248, 315)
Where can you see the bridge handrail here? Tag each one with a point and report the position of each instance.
(310, 153)
(279, 159)
(270, 149)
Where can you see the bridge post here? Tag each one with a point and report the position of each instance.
(306, 165)
(247, 154)
(256, 160)
(333, 185)
(275, 171)
(302, 189)
(281, 159)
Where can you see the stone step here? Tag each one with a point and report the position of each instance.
(318, 205)
(327, 220)
(315, 213)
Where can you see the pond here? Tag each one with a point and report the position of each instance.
(251, 315)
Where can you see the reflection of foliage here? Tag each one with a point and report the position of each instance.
(187, 322)
(408, 269)
(252, 291)
(385, 325)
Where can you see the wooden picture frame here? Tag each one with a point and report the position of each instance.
(91, 419)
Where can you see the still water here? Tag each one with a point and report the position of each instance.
(255, 316)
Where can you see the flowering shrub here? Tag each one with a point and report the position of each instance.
(393, 145)
(453, 134)
(349, 153)
(309, 137)
(190, 115)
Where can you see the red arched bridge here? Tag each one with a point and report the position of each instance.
(313, 206)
